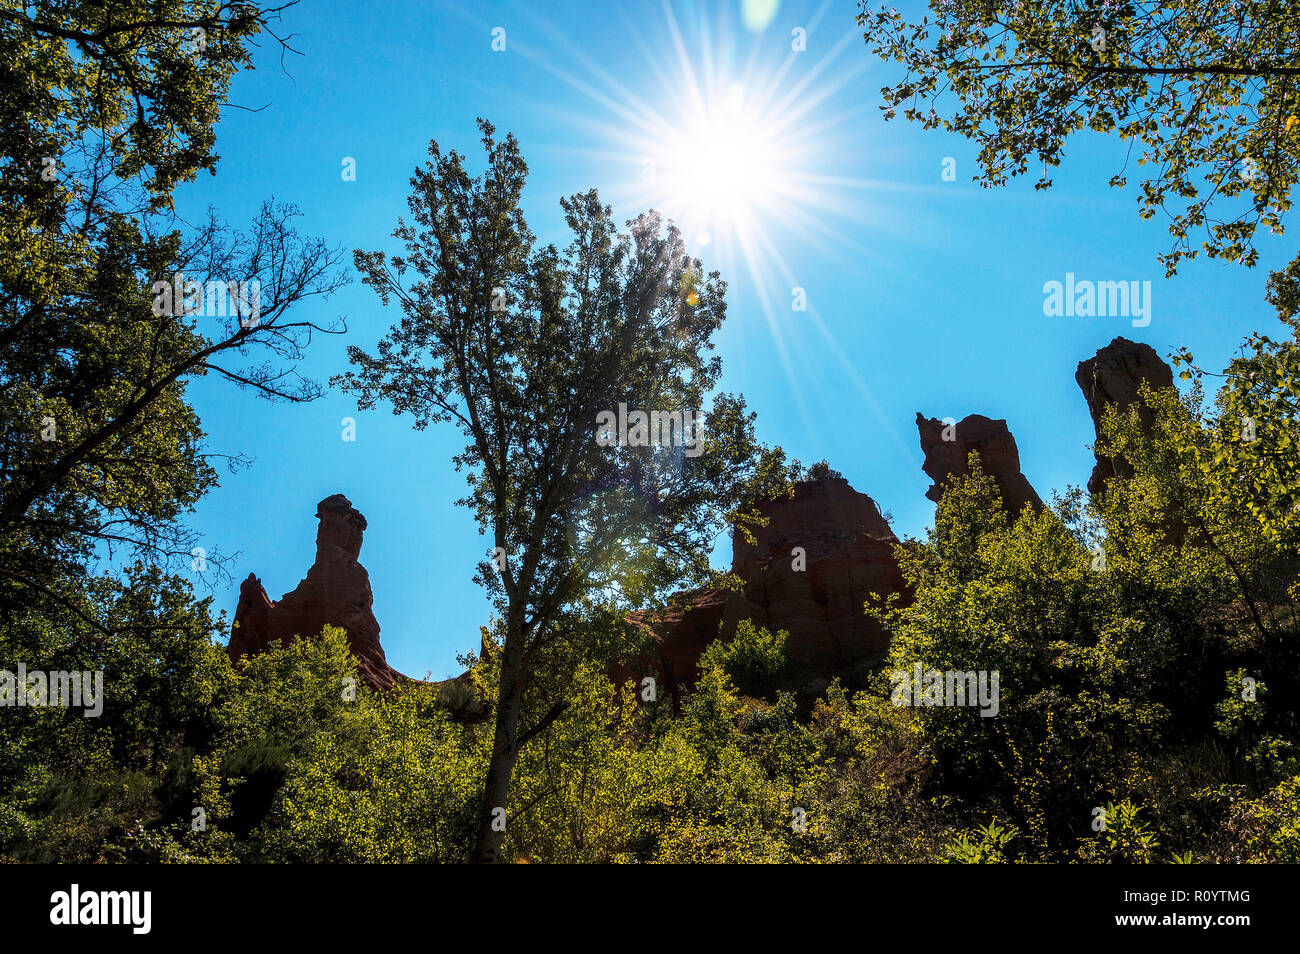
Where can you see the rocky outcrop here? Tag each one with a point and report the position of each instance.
(1114, 376)
(947, 450)
(822, 555)
(336, 591)
(680, 632)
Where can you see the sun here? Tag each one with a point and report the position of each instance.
(742, 136)
(729, 133)
(722, 168)
(726, 160)
(738, 151)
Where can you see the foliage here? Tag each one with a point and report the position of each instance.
(1267, 829)
(1124, 839)
(753, 657)
(1207, 90)
(526, 350)
(106, 109)
(822, 471)
(1144, 639)
(984, 846)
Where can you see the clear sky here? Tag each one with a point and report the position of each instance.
(921, 294)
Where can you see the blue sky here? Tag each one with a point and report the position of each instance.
(922, 294)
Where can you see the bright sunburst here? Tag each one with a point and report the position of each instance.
(734, 135)
(722, 167)
(733, 153)
(730, 134)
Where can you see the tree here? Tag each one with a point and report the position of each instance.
(536, 355)
(106, 109)
(1251, 458)
(70, 786)
(1211, 91)
(822, 470)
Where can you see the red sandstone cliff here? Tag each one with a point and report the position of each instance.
(336, 591)
(1114, 375)
(817, 597)
(947, 454)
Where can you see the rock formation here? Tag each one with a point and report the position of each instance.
(1114, 376)
(336, 591)
(815, 593)
(947, 450)
(824, 552)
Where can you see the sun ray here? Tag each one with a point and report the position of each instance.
(733, 153)
(886, 423)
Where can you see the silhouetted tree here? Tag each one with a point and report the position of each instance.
(526, 350)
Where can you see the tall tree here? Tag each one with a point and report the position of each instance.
(1210, 90)
(527, 350)
(106, 108)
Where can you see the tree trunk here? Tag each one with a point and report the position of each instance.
(505, 747)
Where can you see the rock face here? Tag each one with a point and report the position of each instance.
(817, 597)
(1114, 376)
(999, 457)
(336, 591)
(823, 554)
